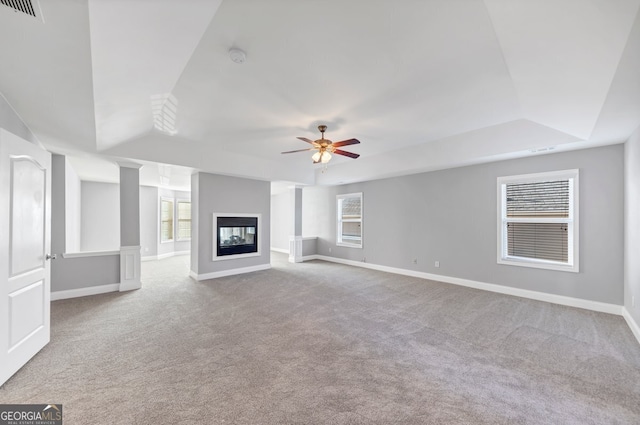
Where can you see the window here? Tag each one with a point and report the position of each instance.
(184, 220)
(538, 220)
(350, 220)
(166, 220)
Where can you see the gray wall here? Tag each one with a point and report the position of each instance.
(632, 226)
(309, 247)
(84, 272)
(100, 227)
(451, 216)
(281, 220)
(149, 221)
(129, 206)
(65, 218)
(73, 273)
(212, 193)
(73, 209)
(58, 220)
(195, 222)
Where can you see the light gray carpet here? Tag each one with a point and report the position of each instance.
(323, 343)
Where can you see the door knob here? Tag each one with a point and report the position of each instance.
(50, 257)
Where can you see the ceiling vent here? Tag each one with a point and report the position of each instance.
(29, 7)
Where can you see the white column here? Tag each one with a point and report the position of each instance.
(295, 249)
(130, 268)
(295, 238)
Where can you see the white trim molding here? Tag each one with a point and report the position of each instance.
(295, 249)
(89, 254)
(84, 292)
(635, 329)
(231, 272)
(127, 164)
(492, 287)
(130, 268)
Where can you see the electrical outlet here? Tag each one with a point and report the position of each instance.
(437, 264)
(329, 250)
(364, 259)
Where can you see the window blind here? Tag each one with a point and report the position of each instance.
(540, 199)
(548, 241)
(535, 201)
(351, 208)
(184, 220)
(166, 220)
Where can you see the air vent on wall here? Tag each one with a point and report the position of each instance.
(29, 7)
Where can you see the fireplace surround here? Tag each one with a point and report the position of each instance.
(236, 236)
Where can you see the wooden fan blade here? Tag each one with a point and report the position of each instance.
(346, 142)
(299, 150)
(345, 153)
(304, 139)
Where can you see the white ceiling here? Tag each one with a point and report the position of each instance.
(423, 84)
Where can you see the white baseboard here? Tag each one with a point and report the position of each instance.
(231, 272)
(524, 293)
(632, 323)
(284, 251)
(162, 256)
(83, 292)
(130, 285)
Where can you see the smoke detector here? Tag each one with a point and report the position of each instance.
(237, 55)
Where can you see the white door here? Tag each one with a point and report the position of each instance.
(25, 217)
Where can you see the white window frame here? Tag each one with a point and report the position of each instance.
(173, 216)
(339, 221)
(573, 262)
(176, 220)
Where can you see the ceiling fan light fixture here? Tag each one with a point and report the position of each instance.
(322, 157)
(325, 147)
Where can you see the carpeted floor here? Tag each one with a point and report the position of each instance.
(323, 343)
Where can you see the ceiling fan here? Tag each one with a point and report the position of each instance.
(326, 147)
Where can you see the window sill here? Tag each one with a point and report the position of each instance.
(539, 264)
(348, 245)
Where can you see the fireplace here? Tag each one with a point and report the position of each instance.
(236, 235)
